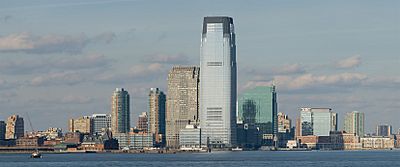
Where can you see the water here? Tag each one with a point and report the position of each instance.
(216, 159)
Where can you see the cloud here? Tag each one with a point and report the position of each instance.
(54, 64)
(61, 78)
(6, 84)
(50, 43)
(166, 59)
(310, 81)
(349, 62)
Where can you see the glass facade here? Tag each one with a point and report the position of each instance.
(218, 82)
(354, 123)
(317, 121)
(100, 122)
(120, 122)
(258, 107)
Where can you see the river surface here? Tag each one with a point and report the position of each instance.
(215, 159)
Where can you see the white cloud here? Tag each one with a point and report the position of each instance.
(311, 81)
(349, 62)
(50, 43)
(62, 78)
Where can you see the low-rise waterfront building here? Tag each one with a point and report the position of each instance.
(190, 138)
(377, 142)
(29, 141)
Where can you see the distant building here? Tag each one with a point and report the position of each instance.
(157, 115)
(135, 140)
(384, 130)
(81, 124)
(258, 107)
(14, 127)
(354, 123)
(377, 142)
(2, 130)
(218, 82)
(29, 141)
(143, 122)
(182, 102)
(317, 121)
(141, 140)
(73, 138)
(298, 127)
(100, 123)
(190, 138)
(120, 112)
(49, 134)
(284, 123)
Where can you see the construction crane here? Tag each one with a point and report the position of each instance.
(30, 123)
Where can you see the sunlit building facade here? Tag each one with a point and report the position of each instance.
(120, 113)
(354, 123)
(317, 121)
(218, 82)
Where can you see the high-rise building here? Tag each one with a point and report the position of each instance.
(143, 122)
(120, 113)
(182, 102)
(317, 121)
(298, 127)
(82, 125)
(14, 127)
(284, 123)
(354, 123)
(2, 130)
(157, 115)
(258, 106)
(384, 130)
(101, 123)
(218, 82)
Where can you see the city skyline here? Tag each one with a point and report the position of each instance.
(62, 72)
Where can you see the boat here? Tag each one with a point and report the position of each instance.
(36, 154)
(237, 149)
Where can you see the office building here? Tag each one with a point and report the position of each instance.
(317, 121)
(2, 130)
(384, 130)
(101, 123)
(143, 122)
(14, 127)
(354, 123)
(120, 113)
(190, 138)
(284, 123)
(157, 115)
(258, 107)
(81, 124)
(218, 82)
(182, 102)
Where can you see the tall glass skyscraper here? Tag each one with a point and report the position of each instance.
(218, 82)
(120, 114)
(258, 107)
(354, 123)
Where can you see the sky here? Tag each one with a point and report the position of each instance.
(63, 59)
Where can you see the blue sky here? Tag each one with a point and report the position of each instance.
(62, 59)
